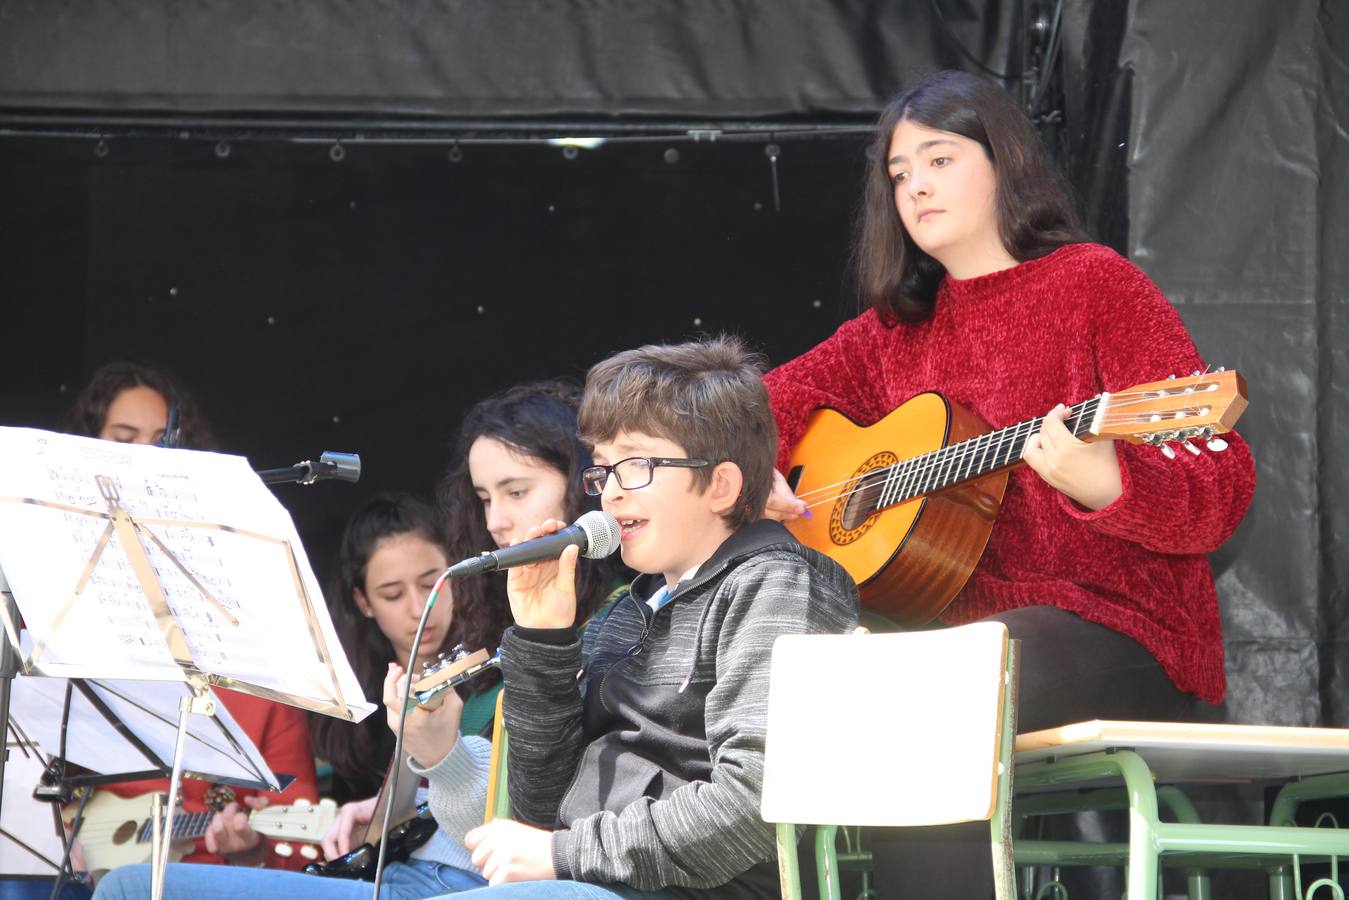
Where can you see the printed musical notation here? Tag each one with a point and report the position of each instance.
(210, 539)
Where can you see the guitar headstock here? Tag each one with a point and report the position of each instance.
(446, 666)
(302, 822)
(1201, 405)
(445, 672)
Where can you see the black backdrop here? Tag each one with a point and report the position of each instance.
(362, 305)
(170, 187)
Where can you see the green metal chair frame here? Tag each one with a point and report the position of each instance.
(1279, 848)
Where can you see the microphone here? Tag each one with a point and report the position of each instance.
(596, 533)
(172, 428)
(332, 466)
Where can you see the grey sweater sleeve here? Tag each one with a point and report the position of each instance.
(458, 786)
(707, 833)
(542, 712)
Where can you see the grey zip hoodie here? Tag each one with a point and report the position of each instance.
(649, 765)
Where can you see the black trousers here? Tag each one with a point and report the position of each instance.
(1072, 670)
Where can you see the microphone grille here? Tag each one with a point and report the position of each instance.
(602, 534)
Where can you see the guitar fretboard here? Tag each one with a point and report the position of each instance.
(186, 827)
(973, 458)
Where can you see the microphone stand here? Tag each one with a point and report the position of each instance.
(9, 667)
(332, 466)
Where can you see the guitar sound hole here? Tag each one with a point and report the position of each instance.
(864, 499)
(125, 832)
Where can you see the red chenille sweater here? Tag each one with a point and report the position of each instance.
(1009, 346)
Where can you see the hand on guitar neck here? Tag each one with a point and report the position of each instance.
(1085, 472)
(229, 835)
(429, 734)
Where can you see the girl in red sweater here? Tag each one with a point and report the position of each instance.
(981, 286)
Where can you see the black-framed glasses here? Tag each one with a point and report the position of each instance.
(633, 473)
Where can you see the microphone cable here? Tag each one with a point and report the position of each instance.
(402, 721)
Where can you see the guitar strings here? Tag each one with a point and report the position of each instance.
(103, 831)
(950, 458)
(1009, 432)
(201, 820)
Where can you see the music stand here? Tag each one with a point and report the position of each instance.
(183, 567)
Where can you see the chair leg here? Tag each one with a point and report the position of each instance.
(826, 861)
(789, 871)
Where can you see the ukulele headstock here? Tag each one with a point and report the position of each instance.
(445, 672)
(302, 821)
(1202, 405)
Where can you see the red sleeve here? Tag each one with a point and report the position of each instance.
(1190, 504)
(838, 373)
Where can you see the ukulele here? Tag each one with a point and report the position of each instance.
(908, 503)
(414, 825)
(117, 831)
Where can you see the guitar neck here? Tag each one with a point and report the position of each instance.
(186, 827)
(974, 458)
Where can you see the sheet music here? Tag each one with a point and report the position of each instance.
(237, 596)
(150, 710)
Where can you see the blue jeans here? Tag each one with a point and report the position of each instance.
(14, 888)
(560, 890)
(415, 879)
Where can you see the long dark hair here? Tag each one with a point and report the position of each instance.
(1036, 214)
(539, 421)
(90, 412)
(359, 753)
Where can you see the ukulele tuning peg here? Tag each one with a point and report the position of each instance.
(1167, 451)
(1196, 373)
(308, 852)
(302, 802)
(1222, 368)
(284, 850)
(1170, 378)
(1191, 447)
(1216, 444)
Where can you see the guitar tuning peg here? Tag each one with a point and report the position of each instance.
(1170, 378)
(1191, 447)
(1167, 451)
(1222, 368)
(1196, 373)
(308, 851)
(1216, 444)
(284, 850)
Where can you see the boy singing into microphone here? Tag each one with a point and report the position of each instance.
(636, 748)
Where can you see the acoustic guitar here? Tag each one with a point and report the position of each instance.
(116, 831)
(906, 505)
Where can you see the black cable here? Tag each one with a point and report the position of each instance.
(1050, 58)
(964, 51)
(398, 742)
